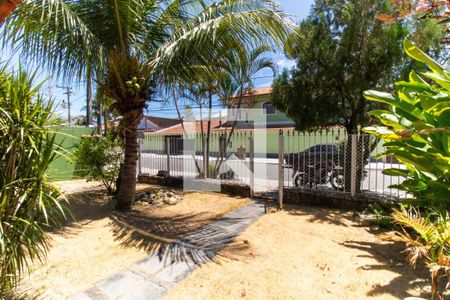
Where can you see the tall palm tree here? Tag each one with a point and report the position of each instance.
(238, 68)
(135, 44)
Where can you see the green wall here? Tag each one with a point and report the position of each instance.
(294, 141)
(63, 168)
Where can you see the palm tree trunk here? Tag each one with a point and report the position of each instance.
(127, 189)
(105, 121)
(99, 116)
(208, 135)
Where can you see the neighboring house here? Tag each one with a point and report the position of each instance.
(151, 123)
(259, 98)
(175, 133)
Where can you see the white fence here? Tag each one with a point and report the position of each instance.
(327, 160)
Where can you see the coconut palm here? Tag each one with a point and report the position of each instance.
(135, 44)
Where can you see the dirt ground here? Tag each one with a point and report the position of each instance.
(308, 253)
(101, 242)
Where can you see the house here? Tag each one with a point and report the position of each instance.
(174, 134)
(259, 98)
(151, 123)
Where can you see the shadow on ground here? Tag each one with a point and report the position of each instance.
(322, 215)
(389, 255)
(191, 238)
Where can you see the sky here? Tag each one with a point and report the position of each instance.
(299, 9)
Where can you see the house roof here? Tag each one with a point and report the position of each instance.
(258, 92)
(163, 122)
(178, 128)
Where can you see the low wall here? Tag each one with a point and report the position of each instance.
(229, 187)
(327, 199)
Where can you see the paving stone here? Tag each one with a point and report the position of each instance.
(120, 284)
(176, 272)
(144, 291)
(81, 296)
(151, 264)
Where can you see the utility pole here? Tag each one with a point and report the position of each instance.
(68, 92)
(88, 96)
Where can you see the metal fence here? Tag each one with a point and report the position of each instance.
(221, 156)
(329, 160)
(335, 161)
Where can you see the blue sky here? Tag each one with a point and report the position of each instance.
(298, 8)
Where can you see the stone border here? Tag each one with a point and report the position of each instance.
(229, 187)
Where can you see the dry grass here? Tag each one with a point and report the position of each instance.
(307, 253)
(101, 242)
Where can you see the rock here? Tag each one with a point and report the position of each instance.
(142, 198)
(170, 194)
(157, 203)
(172, 201)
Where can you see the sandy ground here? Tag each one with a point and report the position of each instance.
(308, 253)
(101, 242)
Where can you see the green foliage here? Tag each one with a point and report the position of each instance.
(416, 131)
(341, 49)
(28, 203)
(380, 214)
(99, 158)
(158, 43)
(427, 237)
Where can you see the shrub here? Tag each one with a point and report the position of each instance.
(380, 214)
(99, 159)
(28, 203)
(427, 237)
(416, 131)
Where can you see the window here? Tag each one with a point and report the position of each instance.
(268, 108)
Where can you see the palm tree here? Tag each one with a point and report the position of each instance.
(136, 44)
(239, 66)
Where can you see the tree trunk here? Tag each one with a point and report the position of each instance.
(99, 116)
(127, 191)
(105, 121)
(208, 136)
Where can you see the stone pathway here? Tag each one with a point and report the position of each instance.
(152, 277)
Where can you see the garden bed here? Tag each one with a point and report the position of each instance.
(102, 242)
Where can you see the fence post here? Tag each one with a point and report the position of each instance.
(168, 155)
(280, 169)
(251, 142)
(353, 165)
(140, 155)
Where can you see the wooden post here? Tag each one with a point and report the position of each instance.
(251, 143)
(280, 169)
(168, 154)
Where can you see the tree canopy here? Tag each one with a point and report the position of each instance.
(342, 49)
(132, 46)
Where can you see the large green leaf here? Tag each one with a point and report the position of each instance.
(395, 102)
(419, 55)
